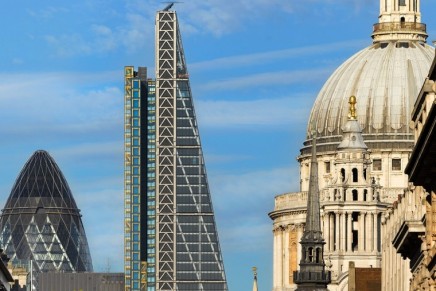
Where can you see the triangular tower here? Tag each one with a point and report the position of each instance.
(170, 229)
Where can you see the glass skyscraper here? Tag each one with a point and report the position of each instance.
(171, 241)
(41, 222)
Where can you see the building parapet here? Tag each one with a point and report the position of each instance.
(290, 200)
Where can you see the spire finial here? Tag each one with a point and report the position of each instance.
(352, 111)
(255, 279)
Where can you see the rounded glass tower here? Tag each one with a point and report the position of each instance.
(41, 223)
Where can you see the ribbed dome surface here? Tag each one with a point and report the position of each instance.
(41, 222)
(385, 78)
(41, 184)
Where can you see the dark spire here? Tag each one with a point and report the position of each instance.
(312, 275)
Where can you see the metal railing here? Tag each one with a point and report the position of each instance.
(399, 26)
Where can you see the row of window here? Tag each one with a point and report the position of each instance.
(376, 165)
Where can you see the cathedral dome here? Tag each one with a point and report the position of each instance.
(385, 78)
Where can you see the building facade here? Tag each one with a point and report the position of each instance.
(358, 184)
(411, 222)
(41, 224)
(171, 240)
(418, 246)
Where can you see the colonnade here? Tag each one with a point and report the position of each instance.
(338, 231)
(287, 250)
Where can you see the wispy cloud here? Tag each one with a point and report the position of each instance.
(47, 12)
(58, 102)
(272, 56)
(247, 198)
(131, 28)
(263, 112)
(133, 35)
(267, 79)
(221, 17)
(91, 150)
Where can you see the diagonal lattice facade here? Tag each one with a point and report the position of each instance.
(41, 222)
(171, 241)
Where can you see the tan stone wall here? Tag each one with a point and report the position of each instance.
(293, 254)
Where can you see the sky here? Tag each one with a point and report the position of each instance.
(255, 69)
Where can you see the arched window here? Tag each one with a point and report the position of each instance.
(354, 171)
(310, 254)
(355, 195)
(318, 255)
(343, 175)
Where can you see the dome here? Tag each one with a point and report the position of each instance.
(386, 78)
(41, 222)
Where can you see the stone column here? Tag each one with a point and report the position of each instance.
(361, 231)
(276, 263)
(299, 236)
(331, 236)
(343, 232)
(337, 231)
(280, 256)
(325, 227)
(286, 255)
(375, 214)
(371, 231)
(367, 232)
(350, 232)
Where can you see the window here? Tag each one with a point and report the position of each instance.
(402, 2)
(327, 167)
(310, 254)
(354, 175)
(343, 175)
(396, 164)
(376, 165)
(355, 195)
(318, 255)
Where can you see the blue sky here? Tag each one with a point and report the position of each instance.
(255, 68)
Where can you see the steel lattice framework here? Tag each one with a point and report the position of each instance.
(166, 159)
(168, 203)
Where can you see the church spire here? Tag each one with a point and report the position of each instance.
(255, 279)
(399, 20)
(312, 274)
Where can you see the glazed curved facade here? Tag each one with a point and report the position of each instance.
(41, 222)
(384, 77)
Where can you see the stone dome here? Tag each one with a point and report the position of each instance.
(386, 78)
